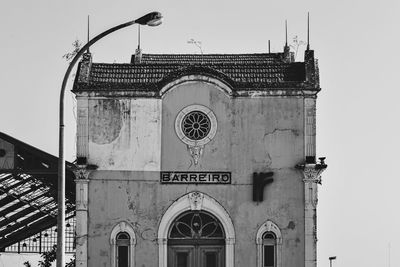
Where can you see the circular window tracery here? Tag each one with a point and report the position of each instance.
(196, 225)
(196, 125)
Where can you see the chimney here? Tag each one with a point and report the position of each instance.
(84, 67)
(312, 73)
(137, 58)
(287, 55)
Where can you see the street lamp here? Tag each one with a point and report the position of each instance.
(331, 259)
(151, 19)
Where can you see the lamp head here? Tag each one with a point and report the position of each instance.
(332, 258)
(151, 19)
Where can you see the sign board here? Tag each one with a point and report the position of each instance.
(195, 177)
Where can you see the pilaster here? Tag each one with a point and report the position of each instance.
(82, 131)
(312, 177)
(310, 128)
(82, 181)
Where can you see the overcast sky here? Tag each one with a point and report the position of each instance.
(356, 42)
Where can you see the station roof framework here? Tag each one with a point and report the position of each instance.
(28, 191)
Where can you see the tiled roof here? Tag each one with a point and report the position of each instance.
(212, 58)
(240, 71)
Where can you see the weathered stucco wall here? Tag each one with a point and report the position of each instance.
(125, 134)
(131, 140)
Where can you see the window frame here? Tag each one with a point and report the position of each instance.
(119, 228)
(271, 227)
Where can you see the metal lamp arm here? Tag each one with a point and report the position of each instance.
(84, 48)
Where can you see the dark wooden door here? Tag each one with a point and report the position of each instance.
(196, 256)
(196, 239)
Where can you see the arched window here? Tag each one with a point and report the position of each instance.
(122, 241)
(269, 250)
(122, 249)
(269, 245)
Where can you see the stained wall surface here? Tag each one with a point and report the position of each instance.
(132, 139)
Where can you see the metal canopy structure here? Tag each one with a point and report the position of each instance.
(28, 190)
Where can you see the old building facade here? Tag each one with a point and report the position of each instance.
(197, 160)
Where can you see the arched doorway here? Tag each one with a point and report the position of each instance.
(196, 239)
(192, 202)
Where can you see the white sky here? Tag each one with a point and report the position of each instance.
(356, 43)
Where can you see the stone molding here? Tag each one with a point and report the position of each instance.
(123, 227)
(240, 93)
(269, 226)
(196, 78)
(195, 201)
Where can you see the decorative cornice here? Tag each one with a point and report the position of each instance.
(236, 92)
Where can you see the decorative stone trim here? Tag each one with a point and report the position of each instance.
(269, 226)
(197, 78)
(196, 201)
(123, 227)
(195, 147)
(213, 125)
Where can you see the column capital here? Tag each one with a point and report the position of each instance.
(82, 172)
(312, 171)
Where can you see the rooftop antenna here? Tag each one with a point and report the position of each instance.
(308, 30)
(286, 31)
(139, 36)
(88, 31)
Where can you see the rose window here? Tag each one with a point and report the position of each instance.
(196, 125)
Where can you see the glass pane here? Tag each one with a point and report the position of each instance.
(211, 259)
(123, 235)
(269, 235)
(196, 225)
(182, 259)
(269, 256)
(123, 256)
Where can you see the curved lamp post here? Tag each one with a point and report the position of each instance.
(151, 19)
